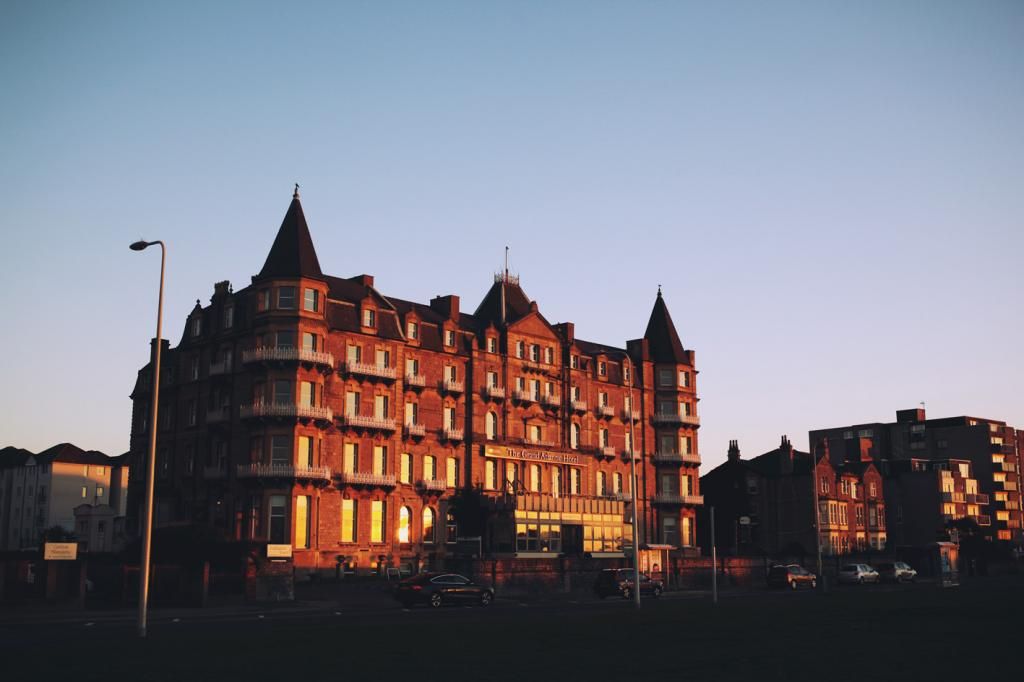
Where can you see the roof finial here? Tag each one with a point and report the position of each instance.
(506, 264)
(659, 291)
(296, 195)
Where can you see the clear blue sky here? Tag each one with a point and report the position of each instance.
(831, 194)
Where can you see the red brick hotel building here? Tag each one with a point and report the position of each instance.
(314, 411)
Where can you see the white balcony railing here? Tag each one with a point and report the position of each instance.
(631, 414)
(495, 392)
(691, 457)
(578, 405)
(691, 419)
(672, 498)
(607, 451)
(286, 410)
(260, 470)
(451, 434)
(523, 396)
(417, 380)
(287, 354)
(552, 400)
(415, 430)
(452, 386)
(367, 479)
(368, 422)
(605, 411)
(370, 370)
(432, 484)
(216, 415)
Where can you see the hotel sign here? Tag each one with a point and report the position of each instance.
(60, 551)
(530, 455)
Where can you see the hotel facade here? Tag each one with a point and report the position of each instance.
(316, 412)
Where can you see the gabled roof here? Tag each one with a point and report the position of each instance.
(292, 254)
(11, 456)
(71, 453)
(771, 463)
(504, 296)
(592, 348)
(661, 335)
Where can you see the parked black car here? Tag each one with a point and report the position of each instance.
(612, 581)
(437, 589)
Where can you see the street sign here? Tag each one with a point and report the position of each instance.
(744, 520)
(60, 551)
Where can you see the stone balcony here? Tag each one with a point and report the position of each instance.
(523, 396)
(286, 471)
(432, 484)
(676, 458)
(286, 411)
(494, 392)
(452, 386)
(605, 411)
(360, 421)
(415, 380)
(288, 354)
(606, 451)
(414, 430)
(628, 415)
(368, 369)
(578, 405)
(551, 400)
(451, 434)
(368, 480)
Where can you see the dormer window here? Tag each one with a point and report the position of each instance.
(412, 330)
(492, 344)
(286, 298)
(311, 300)
(197, 326)
(369, 318)
(602, 368)
(449, 337)
(574, 361)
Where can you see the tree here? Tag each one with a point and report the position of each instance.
(468, 506)
(58, 534)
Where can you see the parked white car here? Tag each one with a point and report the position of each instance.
(858, 574)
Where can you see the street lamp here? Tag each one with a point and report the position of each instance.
(633, 480)
(147, 528)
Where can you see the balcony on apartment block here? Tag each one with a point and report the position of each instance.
(605, 411)
(523, 396)
(286, 411)
(415, 380)
(981, 519)
(494, 392)
(371, 370)
(578, 405)
(676, 458)
(551, 400)
(414, 430)
(432, 484)
(283, 354)
(606, 451)
(676, 418)
(367, 480)
(452, 386)
(977, 498)
(677, 499)
(218, 415)
(451, 434)
(948, 496)
(631, 415)
(284, 471)
(361, 421)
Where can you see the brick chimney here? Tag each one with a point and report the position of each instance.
(734, 451)
(786, 455)
(446, 305)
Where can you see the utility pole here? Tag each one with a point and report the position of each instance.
(714, 561)
(817, 516)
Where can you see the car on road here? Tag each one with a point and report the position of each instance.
(438, 589)
(619, 581)
(858, 574)
(792, 576)
(896, 572)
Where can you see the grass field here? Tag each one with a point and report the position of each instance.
(853, 633)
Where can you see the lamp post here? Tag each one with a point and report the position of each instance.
(147, 527)
(633, 480)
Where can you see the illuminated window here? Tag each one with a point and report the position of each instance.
(684, 378)
(492, 344)
(377, 521)
(354, 353)
(306, 451)
(535, 353)
(575, 484)
(602, 368)
(307, 393)
(369, 318)
(449, 338)
(380, 460)
(412, 331)
(535, 478)
(556, 482)
(429, 467)
(616, 483)
(452, 473)
(520, 349)
(405, 472)
(602, 483)
(348, 521)
(311, 300)
(490, 474)
(404, 517)
(510, 477)
(549, 356)
(574, 361)
(574, 436)
(302, 522)
(428, 525)
(351, 458)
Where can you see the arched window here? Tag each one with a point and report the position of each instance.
(574, 436)
(492, 425)
(428, 525)
(404, 520)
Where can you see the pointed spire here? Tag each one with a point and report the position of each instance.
(661, 334)
(292, 254)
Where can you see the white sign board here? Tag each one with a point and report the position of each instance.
(279, 551)
(744, 520)
(60, 551)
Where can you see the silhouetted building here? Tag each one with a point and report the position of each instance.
(989, 445)
(315, 411)
(765, 505)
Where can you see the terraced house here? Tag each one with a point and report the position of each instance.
(315, 411)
